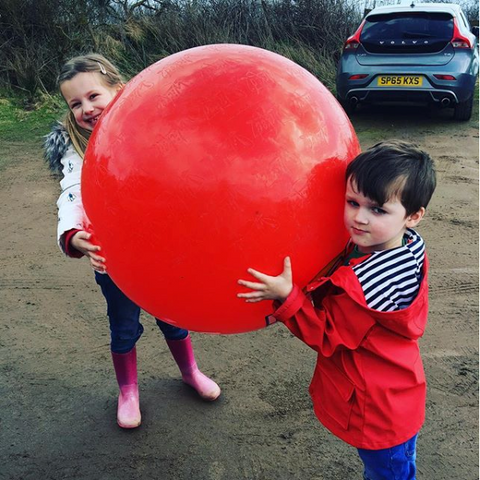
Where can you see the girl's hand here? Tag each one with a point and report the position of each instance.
(269, 288)
(81, 242)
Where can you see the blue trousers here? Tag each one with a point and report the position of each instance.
(396, 463)
(124, 318)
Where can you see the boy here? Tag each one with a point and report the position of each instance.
(365, 313)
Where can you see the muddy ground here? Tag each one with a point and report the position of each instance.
(58, 392)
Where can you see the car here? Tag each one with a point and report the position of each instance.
(423, 53)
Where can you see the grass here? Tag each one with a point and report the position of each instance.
(24, 123)
(475, 107)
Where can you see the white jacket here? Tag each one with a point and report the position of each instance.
(64, 159)
(70, 207)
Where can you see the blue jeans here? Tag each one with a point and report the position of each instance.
(124, 318)
(396, 463)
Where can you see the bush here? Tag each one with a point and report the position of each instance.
(38, 36)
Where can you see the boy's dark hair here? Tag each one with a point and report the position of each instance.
(393, 168)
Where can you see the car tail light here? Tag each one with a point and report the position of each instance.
(353, 42)
(359, 76)
(445, 77)
(459, 40)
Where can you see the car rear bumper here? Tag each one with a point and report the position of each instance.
(432, 91)
(377, 95)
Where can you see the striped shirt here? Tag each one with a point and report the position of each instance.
(390, 279)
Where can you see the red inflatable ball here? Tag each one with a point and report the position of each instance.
(210, 161)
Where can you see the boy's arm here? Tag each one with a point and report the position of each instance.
(327, 328)
(337, 323)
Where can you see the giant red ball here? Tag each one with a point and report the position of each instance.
(210, 161)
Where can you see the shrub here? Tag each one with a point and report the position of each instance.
(37, 36)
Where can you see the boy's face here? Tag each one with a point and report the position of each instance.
(374, 227)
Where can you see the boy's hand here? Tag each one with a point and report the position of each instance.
(81, 242)
(269, 288)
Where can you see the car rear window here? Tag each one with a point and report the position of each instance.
(407, 32)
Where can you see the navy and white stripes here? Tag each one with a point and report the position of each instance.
(390, 279)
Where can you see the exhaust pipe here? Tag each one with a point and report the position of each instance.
(445, 102)
(353, 101)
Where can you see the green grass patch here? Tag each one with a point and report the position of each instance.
(24, 122)
(475, 116)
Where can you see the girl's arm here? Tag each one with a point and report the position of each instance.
(81, 241)
(72, 237)
(71, 215)
(66, 242)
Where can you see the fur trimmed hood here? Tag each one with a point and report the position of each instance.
(55, 146)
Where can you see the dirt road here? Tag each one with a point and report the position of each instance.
(58, 393)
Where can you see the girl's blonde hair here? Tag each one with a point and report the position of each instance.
(92, 62)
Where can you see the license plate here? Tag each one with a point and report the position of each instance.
(400, 81)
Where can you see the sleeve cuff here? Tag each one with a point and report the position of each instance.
(67, 247)
(290, 306)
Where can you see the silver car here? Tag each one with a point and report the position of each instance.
(419, 53)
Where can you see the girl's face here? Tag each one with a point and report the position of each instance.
(374, 227)
(87, 96)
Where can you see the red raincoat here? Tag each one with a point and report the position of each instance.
(369, 385)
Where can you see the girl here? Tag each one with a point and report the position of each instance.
(88, 84)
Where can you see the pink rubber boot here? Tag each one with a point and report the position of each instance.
(128, 410)
(182, 352)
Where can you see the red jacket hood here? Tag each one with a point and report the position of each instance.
(406, 322)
